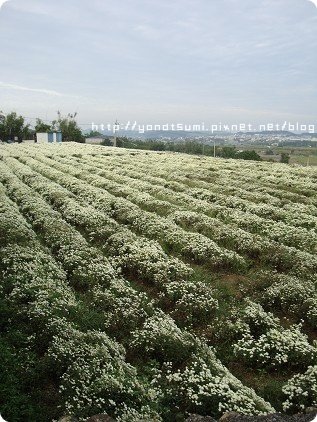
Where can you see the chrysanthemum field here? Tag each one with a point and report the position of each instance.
(149, 286)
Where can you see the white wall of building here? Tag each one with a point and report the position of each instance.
(42, 137)
(94, 141)
(45, 137)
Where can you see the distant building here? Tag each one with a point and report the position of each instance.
(95, 140)
(50, 137)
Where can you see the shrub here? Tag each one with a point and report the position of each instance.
(161, 339)
(301, 391)
(277, 347)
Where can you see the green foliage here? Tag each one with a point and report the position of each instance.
(228, 152)
(271, 391)
(27, 390)
(187, 147)
(42, 127)
(15, 403)
(106, 142)
(93, 133)
(231, 152)
(162, 340)
(285, 158)
(14, 126)
(248, 155)
(69, 128)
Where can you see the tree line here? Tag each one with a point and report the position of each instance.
(190, 147)
(186, 147)
(14, 128)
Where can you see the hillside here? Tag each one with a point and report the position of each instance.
(152, 285)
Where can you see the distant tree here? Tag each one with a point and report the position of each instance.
(285, 158)
(248, 155)
(12, 126)
(106, 142)
(157, 146)
(69, 128)
(228, 152)
(27, 133)
(192, 147)
(41, 127)
(93, 133)
(125, 142)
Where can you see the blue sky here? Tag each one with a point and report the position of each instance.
(160, 61)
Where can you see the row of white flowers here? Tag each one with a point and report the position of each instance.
(292, 295)
(280, 177)
(204, 384)
(84, 265)
(129, 253)
(310, 303)
(301, 391)
(70, 248)
(288, 180)
(244, 185)
(276, 347)
(198, 176)
(190, 245)
(241, 173)
(272, 208)
(283, 257)
(92, 369)
(264, 342)
(92, 357)
(121, 184)
(206, 387)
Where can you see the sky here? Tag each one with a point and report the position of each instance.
(183, 61)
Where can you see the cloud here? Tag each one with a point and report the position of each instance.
(144, 58)
(24, 88)
(2, 3)
(314, 2)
